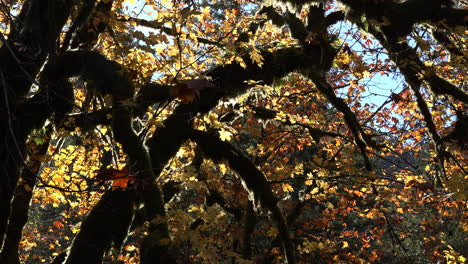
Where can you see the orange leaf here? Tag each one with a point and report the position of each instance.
(111, 174)
(121, 177)
(122, 182)
(58, 224)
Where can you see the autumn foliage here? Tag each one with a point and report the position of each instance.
(233, 131)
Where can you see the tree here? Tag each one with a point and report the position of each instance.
(232, 131)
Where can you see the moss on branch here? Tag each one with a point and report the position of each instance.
(254, 182)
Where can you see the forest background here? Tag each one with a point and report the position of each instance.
(199, 131)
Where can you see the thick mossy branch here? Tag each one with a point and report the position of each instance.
(334, 18)
(229, 82)
(426, 113)
(295, 5)
(230, 79)
(245, 216)
(149, 94)
(30, 40)
(291, 218)
(296, 27)
(458, 135)
(53, 99)
(167, 140)
(97, 235)
(56, 94)
(254, 181)
(405, 57)
(108, 222)
(415, 71)
(391, 22)
(22, 198)
(274, 16)
(213, 196)
(398, 19)
(108, 76)
(162, 147)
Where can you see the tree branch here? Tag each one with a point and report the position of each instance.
(254, 182)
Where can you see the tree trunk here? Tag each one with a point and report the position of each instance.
(22, 199)
(33, 36)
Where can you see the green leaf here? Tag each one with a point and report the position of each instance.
(38, 140)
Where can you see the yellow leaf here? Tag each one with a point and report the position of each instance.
(103, 130)
(225, 135)
(427, 168)
(241, 62)
(287, 187)
(272, 232)
(130, 248)
(322, 173)
(252, 150)
(194, 208)
(345, 244)
(222, 168)
(256, 57)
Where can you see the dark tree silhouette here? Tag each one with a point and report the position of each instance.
(51, 41)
